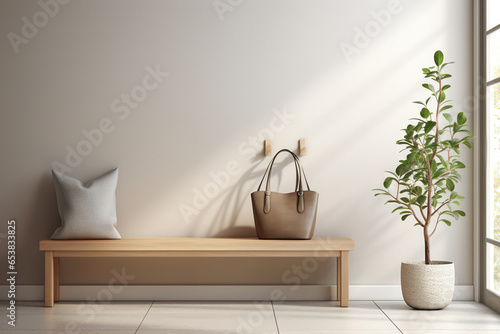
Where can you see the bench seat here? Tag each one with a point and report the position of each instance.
(196, 247)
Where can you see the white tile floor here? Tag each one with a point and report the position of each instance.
(377, 317)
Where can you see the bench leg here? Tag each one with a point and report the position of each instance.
(344, 280)
(49, 279)
(56, 280)
(339, 278)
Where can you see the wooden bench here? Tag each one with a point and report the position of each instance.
(195, 247)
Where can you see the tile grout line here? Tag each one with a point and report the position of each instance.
(275, 319)
(145, 315)
(374, 302)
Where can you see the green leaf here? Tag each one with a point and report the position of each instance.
(442, 97)
(425, 113)
(433, 165)
(445, 87)
(403, 168)
(429, 87)
(398, 170)
(398, 208)
(441, 159)
(403, 218)
(449, 213)
(448, 117)
(433, 145)
(426, 70)
(450, 185)
(429, 126)
(388, 182)
(411, 157)
(418, 190)
(446, 221)
(459, 164)
(461, 118)
(421, 199)
(446, 107)
(438, 57)
(460, 212)
(439, 172)
(406, 177)
(418, 127)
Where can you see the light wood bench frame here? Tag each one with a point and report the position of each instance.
(195, 247)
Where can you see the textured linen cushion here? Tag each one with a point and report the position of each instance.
(87, 210)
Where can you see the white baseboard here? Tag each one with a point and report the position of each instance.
(220, 292)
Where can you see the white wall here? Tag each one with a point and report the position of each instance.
(227, 79)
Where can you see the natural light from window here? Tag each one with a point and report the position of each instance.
(494, 114)
(493, 14)
(492, 49)
(493, 66)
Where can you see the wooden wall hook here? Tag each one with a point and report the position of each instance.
(302, 147)
(267, 147)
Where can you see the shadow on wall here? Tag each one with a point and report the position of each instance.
(234, 198)
(45, 206)
(228, 204)
(35, 224)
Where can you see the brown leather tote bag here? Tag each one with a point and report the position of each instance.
(285, 216)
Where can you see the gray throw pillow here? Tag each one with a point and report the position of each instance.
(87, 210)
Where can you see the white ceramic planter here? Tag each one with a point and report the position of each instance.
(428, 287)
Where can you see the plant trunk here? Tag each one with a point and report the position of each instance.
(427, 246)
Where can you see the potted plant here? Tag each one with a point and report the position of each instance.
(423, 186)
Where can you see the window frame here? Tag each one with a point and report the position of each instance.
(481, 162)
